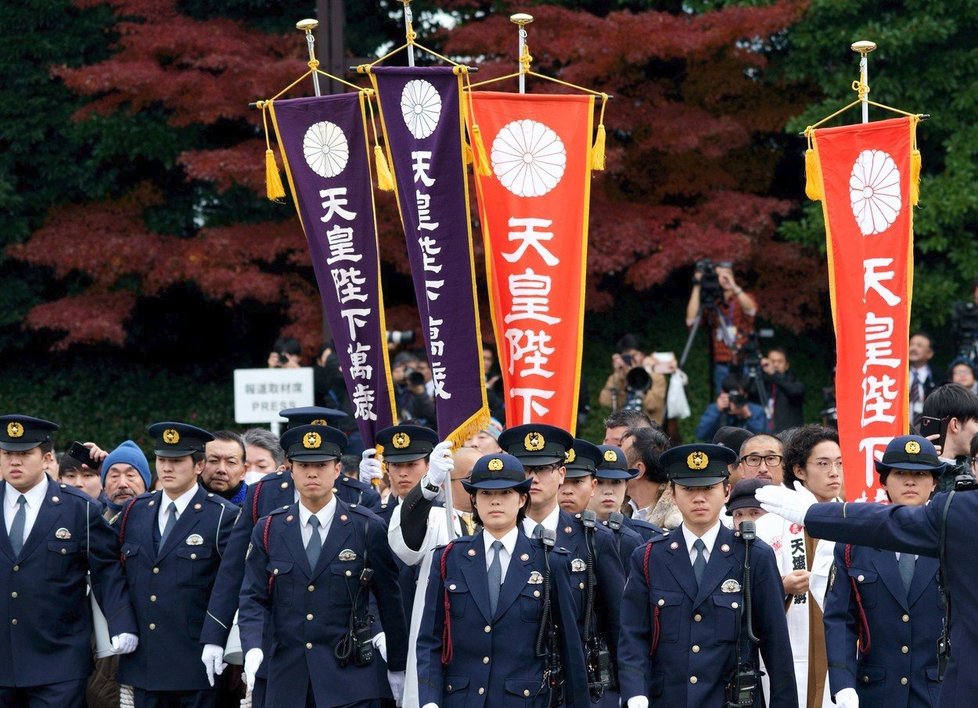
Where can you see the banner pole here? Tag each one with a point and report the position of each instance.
(409, 31)
(308, 26)
(863, 47)
(521, 20)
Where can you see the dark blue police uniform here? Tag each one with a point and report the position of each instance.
(471, 656)
(680, 637)
(46, 651)
(170, 582)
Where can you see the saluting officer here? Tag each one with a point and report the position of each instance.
(683, 612)
(348, 488)
(172, 541)
(310, 569)
(612, 474)
(882, 611)
(485, 639)
(51, 537)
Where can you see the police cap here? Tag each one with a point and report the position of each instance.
(581, 459)
(537, 444)
(313, 415)
(910, 452)
(22, 432)
(742, 494)
(313, 443)
(497, 471)
(178, 439)
(697, 465)
(613, 464)
(406, 443)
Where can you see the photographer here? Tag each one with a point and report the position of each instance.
(411, 392)
(285, 354)
(328, 384)
(729, 313)
(637, 382)
(785, 393)
(731, 409)
(964, 324)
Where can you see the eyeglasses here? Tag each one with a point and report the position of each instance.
(541, 469)
(823, 464)
(769, 460)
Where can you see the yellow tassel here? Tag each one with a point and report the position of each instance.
(813, 176)
(914, 177)
(467, 153)
(385, 181)
(482, 162)
(273, 182)
(597, 152)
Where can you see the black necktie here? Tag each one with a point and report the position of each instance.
(18, 524)
(906, 565)
(315, 545)
(495, 576)
(699, 563)
(171, 521)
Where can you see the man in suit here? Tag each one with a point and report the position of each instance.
(922, 383)
(51, 538)
(882, 610)
(684, 600)
(309, 571)
(172, 541)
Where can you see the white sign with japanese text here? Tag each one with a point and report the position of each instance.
(259, 394)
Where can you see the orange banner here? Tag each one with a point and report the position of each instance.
(865, 187)
(534, 213)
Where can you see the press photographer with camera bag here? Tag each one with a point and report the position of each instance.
(731, 409)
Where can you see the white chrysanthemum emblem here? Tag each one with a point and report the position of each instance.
(874, 190)
(528, 157)
(326, 149)
(421, 107)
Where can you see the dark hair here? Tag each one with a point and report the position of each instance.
(802, 443)
(266, 440)
(629, 419)
(768, 436)
(780, 350)
(974, 446)
(629, 341)
(231, 436)
(46, 447)
(287, 345)
(520, 514)
(647, 446)
(67, 463)
(732, 382)
(952, 401)
(925, 335)
(350, 462)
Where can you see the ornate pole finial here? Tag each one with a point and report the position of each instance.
(308, 26)
(521, 20)
(863, 47)
(409, 34)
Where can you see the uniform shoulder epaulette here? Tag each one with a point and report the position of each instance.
(67, 489)
(660, 538)
(561, 550)
(363, 511)
(277, 511)
(220, 501)
(272, 476)
(355, 483)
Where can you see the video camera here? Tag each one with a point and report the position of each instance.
(710, 289)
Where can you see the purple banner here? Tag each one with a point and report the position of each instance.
(323, 141)
(419, 109)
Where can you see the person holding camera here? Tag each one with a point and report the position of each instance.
(731, 409)
(729, 312)
(286, 354)
(411, 391)
(637, 382)
(785, 393)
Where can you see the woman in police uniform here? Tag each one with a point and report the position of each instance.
(481, 650)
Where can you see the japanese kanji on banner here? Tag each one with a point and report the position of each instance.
(423, 130)
(866, 177)
(534, 218)
(323, 141)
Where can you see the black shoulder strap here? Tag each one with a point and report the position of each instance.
(944, 640)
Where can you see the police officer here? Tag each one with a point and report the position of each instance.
(612, 474)
(310, 570)
(484, 620)
(684, 600)
(407, 450)
(172, 541)
(882, 610)
(51, 537)
(542, 450)
(348, 488)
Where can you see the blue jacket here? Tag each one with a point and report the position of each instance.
(903, 629)
(47, 624)
(713, 419)
(310, 608)
(917, 529)
(170, 588)
(494, 661)
(697, 625)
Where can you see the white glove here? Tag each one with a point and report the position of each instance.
(396, 681)
(847, 698)
(252, 661)
(638, 702)
(380, 641)
(125, 643)
(370, 468)
(790, 505)
(246, 701)
(441, 463)
(213, 658)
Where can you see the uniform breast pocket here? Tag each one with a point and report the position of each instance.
(726, 608)
(344, 579)
(61, 556)
(867, 583)
(531, 603)
(669, 606)
(458, 596)
(280, 581)
(194, 565)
